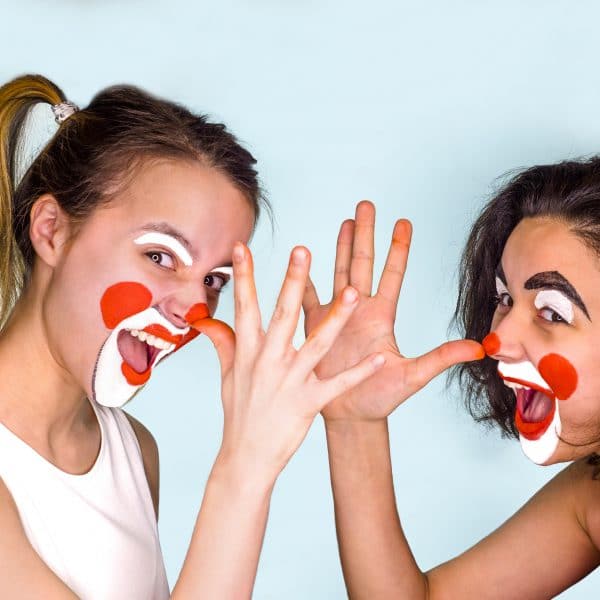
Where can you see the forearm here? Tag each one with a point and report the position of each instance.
(223, 555)
(376, 559)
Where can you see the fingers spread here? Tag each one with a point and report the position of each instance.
(423, 369)
(395, 264)
(343, 256)
(363, 248)
(247, 312)
(321, 339)
(310, 300)
(287, 310)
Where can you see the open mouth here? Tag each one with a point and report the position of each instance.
(535, 408)
(139, 350)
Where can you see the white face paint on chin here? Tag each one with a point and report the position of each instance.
(524, 379)
(541, 450)
(110, 385)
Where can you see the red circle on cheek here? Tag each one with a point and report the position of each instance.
(559, 374)
(491, 343)
(122, 300)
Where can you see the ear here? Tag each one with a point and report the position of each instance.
(49, 229)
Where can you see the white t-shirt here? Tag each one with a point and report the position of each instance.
(96, 531)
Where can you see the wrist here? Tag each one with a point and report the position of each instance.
(241, 474)
(355, 427)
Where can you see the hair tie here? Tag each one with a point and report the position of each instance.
(63, 111)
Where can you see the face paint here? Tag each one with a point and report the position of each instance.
(140, 338)
(491, 343)
(560, 374)
(154, 237)
(537, 416)
(557, 302)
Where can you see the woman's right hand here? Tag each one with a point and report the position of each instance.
(270, 391)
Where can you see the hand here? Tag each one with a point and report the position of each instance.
(370, 328)
(270, 392)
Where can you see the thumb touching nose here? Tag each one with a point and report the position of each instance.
(222, 338)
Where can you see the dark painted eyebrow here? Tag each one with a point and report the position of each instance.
(500, 274)
(553, 280)
(170, 230)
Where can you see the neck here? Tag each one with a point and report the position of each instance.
(37, 393)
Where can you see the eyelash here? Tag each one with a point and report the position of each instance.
(223, 278)
(559, 319)
(160, 253)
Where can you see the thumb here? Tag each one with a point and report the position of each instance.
(222, 337)
(427, 366)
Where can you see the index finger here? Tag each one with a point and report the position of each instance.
(247, 313)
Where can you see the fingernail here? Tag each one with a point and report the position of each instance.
(350, 295)
(299, 256)
(238, 253)
(378, 360)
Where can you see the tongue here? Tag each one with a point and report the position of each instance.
(133, 351)
(533, 405)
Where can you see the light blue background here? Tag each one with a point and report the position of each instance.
(418, 106)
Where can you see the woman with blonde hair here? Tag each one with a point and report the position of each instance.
(115, 245)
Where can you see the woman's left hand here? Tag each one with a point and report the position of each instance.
(370, 328)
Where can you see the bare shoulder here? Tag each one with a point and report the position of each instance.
(585, 482)
(149, 455)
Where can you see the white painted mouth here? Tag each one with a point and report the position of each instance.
(540, 450)
(109, 385)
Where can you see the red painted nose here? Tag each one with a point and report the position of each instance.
(491, 343)
(197, 312)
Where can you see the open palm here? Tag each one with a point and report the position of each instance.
(371, 326)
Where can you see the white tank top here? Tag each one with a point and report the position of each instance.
(96, 531)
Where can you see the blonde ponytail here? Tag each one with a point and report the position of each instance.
(16, 98)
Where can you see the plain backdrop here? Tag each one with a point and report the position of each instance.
(418, 106)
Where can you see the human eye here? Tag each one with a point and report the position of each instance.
(502, 299)
(163, 259)
(217, 281)
(553, 306)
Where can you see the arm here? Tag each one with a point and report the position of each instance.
(23, 574)
(539, 551)
(270, 397)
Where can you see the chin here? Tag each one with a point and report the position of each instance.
(150, 337)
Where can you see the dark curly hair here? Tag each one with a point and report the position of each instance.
(569, 192)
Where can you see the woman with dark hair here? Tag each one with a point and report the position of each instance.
(115, 245)
(530, 276)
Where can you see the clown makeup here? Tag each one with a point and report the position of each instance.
(140, 338)
(554, 305)
(545, 339)
(171, 240)
(537, 416)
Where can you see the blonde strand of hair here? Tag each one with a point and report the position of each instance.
(16, 98)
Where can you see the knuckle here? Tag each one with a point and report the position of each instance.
(362, 255)
(281, 313)
(317, 344)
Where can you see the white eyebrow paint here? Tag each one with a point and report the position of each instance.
(556, 301)
(154, 237)
(223, 270)
(500, 287)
